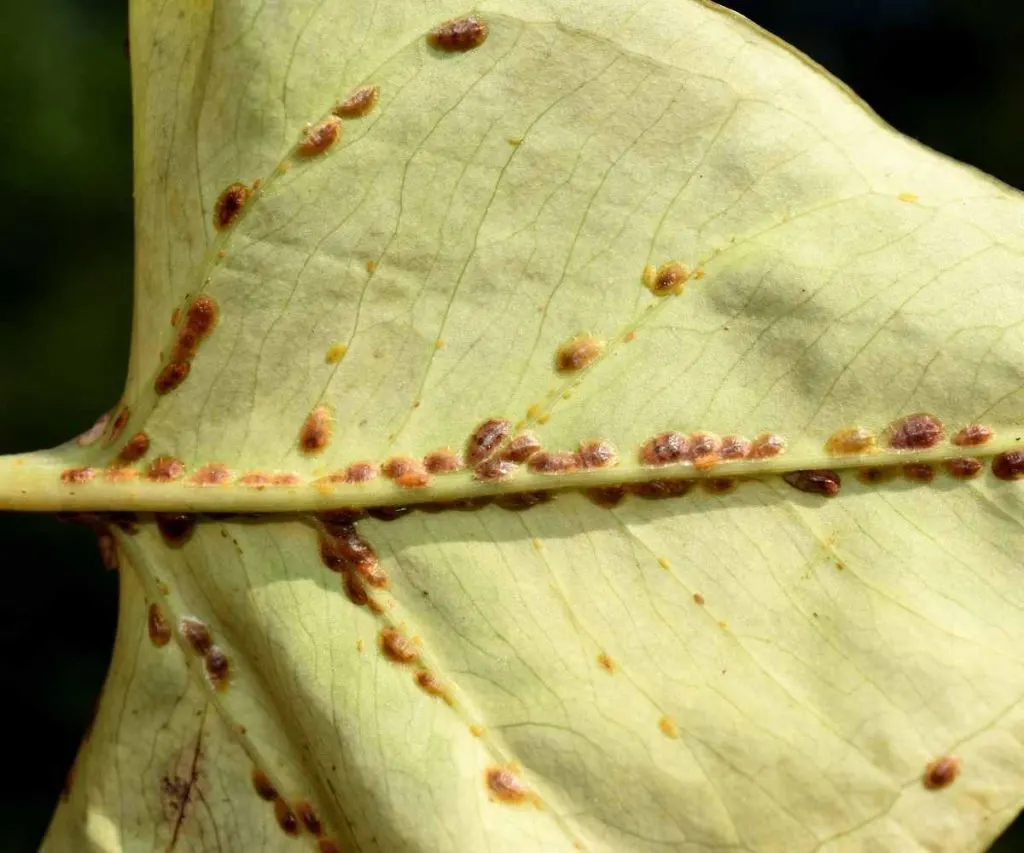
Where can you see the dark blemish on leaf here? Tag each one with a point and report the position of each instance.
(196, 634)
(217, 667)
(919, 472)
(317, 138)
(698, 598)
(667, 280)
(94, 432)
(850, 440)
(606, 496)
(360, 472)
(458, 35)
(359, 103)
(229, 204)
(941, 773)
(165, 469)
(596, 454)
(494, 470)
(309, 818)
(442, 461)
(546, 462)
(285, 817)
(521, 448)
(704, 448)
(519, 501)
(200, 321)
(1009, 466)
(397, 646)
(171, 377)
(734, 447)
(159, 630)
(665, 449)
(485, 440)
(264, 789)
(654, 490)
(315, 433)
(120, 422)
(826, 483)
(506, 785)
(342, 516)
(964, 468)
(108, 548)
(354, 588)
(214, 474)
(606, 663)
(874, 475)
(719, 485)
(126, 521)
(972, 436)
(388, 513)
(350, 546)
(175, 527)
(767, 446)
(136, 447)
(915, 432)
(578, 353)
(77, 476)
(430, 685)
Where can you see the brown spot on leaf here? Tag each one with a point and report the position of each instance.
(578, 353)
(654, 490)
(506, 785)
(698, 598)
(704, 450)
(668, 727)
(429, 684)
(77, 476)
(255, 480)
(915, 432)
(485, 440)
(120, 422)
(965, 468)
(175, 527)
(1009, 466)
(335, 353)
(493, 470)
(165, 469)
(360, 472)
(596, 454)
(521, 448)
(417, 478)
(229, 204)
(171, 376)
(665, 449)
(359, 103)
(388, 513)
(606, 663)
(442, 461)
(519, 501)
(214, 474)
(819, 482)
(397, 466)
(850, 440)
(919, 472)
(606, 496)
(354, 588)
(458, 35)
(941, 773)
(196, 634)
(875, 475)
(159, 630)
(317, 138)
(734, 447)
(286, 817)
(719, 485)
(972, 436)
(315, 433)
(217, 667)
(546, 462)
(397, 646)
(767, 446)
(284, 478)
(264, 789)
(136, 447)
(309, 817)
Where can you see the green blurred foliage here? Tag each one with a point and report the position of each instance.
(948, 72)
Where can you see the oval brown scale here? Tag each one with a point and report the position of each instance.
(255, 480)
(767, 445)
(429, 684)
(165, 469)
(135, 448)
(107, 548)
(284, 478)
(606, 663)
(309, 818)
(442, 461)
(458, 35)
(264, 789)
(354, 588)
(360, 472)
(286, 818)
(552, 463)
(415, 479)
(341, 517)
(973, 436)
(850, 441)
(668, 280)
(654, 490)
(941, 773)
(156, 624)
(317, 138)
(704, 448)
(359, 103)
(485, 439)
(120, 474)
(77, 476)
(350, 545)
(519, 501)
(606, 497)
(1009, 466)
(373, 573)
(596, 454)
(315, 432)
(388, 513)
(698, 598)
(196, 634)
(734, 447)
(120, 422)
(398, 647)
(578, 353)
(719, 485)
(214, 474)
(874, 475)
(229, 204)
(175, 528)
(521, 448)
(964, 468)
(506, 785)
(217, 667)
(171, 377)
(399, 466)
(665, 449)
(825, 483)
(494, 470)
(200, 320)
(919, 472)
(915, 432)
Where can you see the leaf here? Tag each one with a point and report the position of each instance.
(749, 665)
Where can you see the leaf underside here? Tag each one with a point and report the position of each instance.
(746, 666)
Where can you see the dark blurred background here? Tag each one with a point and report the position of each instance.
(948, 72)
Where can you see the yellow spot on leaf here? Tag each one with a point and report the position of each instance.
(335, 354)
(668, 727)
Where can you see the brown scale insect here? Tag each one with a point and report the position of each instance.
(388, 513)
(196, 634)
(493, 470)
(521, 448)
(973, 436)
(458, 35)
(418, 478)
(665, 449)
(398, 466)
(919, 472)
(734, 447)
(285, 817)
(915, 432)
(264, 789)
(578, 353)
(136, 447)
(704, 450)
(485, 440)
(309, 818)
(606, 497)
(360, 472)
(443, 461)
(519, 501)
(429, 684)
(354, 589)
(873, 476)
(77, 476)
(826, 483)
(171, 376)
(506, 785)
(596, 454)
(359, 103)
(315, 432)
(398, 647)
(719, 485)
(214, 474)
(120, 422)
(200, 320)
(546, 462)
(255, 480)
(229, 204)
(941, 773)
(156, 624)
(284, 478)
(325, 845)
(668, 280)
(165, 469)
(1009, 466)
(175, 528)
(217, 667)
(317, 138)
(850, 441)
(767, 446)
(964, 468)
(654, 490)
